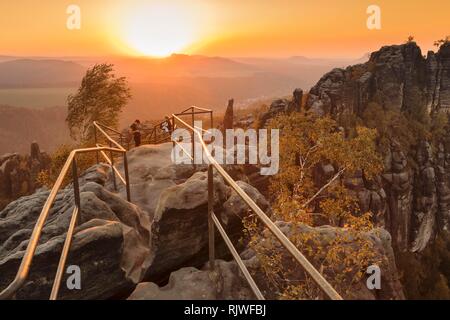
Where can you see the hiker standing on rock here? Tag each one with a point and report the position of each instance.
(136, 132)
(166, 126)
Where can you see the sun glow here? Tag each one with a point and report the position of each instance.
(159, 30)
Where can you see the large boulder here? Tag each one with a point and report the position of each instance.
(180, 224)
(225, 283)
(111, 244)
(175, 199)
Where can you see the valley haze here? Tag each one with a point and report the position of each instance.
(37, 86)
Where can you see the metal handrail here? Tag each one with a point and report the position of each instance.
(213, 221)
(191, 111)
(27, 259)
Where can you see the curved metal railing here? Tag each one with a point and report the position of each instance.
(157, 135)
(27, 259)
(213, 222)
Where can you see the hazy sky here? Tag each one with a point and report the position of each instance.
(315, 28)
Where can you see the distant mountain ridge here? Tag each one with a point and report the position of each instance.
(25, 73)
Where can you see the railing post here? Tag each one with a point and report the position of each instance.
(211, 119)
(172, 125)
(112, 167)
(76, 187)
(127, 177)
(74, 221)
(95, 141)
(210, 219)
(193, 137)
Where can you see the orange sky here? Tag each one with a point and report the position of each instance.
(319, 28)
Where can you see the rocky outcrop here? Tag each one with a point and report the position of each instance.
(18, 173)
(163, 230)
(283, 106)
(225, 283)
(111, 245)
(438, 79)
(397, 77)
(180, 230)
(413, 194)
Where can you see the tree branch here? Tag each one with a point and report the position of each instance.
(337, 175)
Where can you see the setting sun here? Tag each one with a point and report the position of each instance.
(159, 30)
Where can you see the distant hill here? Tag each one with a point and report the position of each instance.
(21, 126)
(29, 73)
(159, 86)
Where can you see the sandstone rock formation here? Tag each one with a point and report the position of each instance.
(283, 105)
(18, 173)
(414, 202)
(395, 76)
(111, 245)
(226, 282)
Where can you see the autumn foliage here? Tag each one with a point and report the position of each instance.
(300, 199)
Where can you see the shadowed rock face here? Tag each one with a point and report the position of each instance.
(111, 245)
(193, 284)
(395, 76)
(413, 201)
(18, 173)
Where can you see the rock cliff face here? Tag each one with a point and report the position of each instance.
(18, 173)
(397, 77)
(414, 197)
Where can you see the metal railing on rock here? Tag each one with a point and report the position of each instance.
(213, 222)
(157, 135)
(71, 162)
